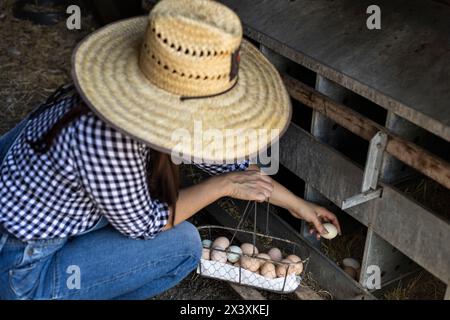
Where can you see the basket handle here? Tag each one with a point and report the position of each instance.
(248, 208)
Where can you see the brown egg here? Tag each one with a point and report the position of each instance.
(275, 254)
(250, 264)
(283, 267)
(350, 271)
(221, 242)
(268, 270)
(293, 258)
(249, 249)
(218, 255)
(290, 267)
(205, 254)
(263, 257)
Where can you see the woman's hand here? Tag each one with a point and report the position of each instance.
(315, 215)
(248, 185)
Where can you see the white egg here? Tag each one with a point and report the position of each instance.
(352, 263)
(249, 249)
(268, 270)
(332, 231)
(251, 264)
(205, 254)
(275, 254)
(234, 254)
(217, 254)
(221, 242)
(207, 243)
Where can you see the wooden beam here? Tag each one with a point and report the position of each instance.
(406, 151)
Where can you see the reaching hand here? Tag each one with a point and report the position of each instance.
(315, 215)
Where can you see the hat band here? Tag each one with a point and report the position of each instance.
(234, 72)
(184, 98)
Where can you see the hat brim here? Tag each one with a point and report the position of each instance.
(105, 70)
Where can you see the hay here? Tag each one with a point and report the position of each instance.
(422, 286)
(429, 193)
(35, 60)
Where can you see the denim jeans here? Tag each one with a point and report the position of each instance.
(101, 263)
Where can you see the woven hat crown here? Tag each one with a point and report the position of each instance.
(191, 47)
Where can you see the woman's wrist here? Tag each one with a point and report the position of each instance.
(220, 186)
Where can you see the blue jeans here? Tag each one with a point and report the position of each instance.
(101, 263)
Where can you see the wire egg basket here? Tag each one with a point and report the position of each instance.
(251, 258)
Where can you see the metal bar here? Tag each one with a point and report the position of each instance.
(373, 163)
(397, 217)
(394, 265)
(360, 198)
(411, 154)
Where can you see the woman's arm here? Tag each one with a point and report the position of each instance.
(244, 185)
(301, 208)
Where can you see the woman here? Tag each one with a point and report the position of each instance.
(88, 189)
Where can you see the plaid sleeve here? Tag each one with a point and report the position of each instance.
(216, 169)
(112, 170)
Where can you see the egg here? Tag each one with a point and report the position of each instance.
(249, 249)
(221, 242)
(206, 243)
(275, 254)
(351, 272)
(205, 254)
(282, 268)
(263, 256)
(358, 274)
(218, 255)
(268, 270)
(293, 258)
(352, 263)
(332, 231)
(290, 266)
(234, 254)
(250, 264)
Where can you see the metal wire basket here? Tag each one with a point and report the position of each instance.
(242, 261)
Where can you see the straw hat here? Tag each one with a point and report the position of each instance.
(183, 80)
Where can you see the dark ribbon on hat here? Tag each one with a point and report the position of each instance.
(235, 60)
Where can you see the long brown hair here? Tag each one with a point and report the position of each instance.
(163, 177)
